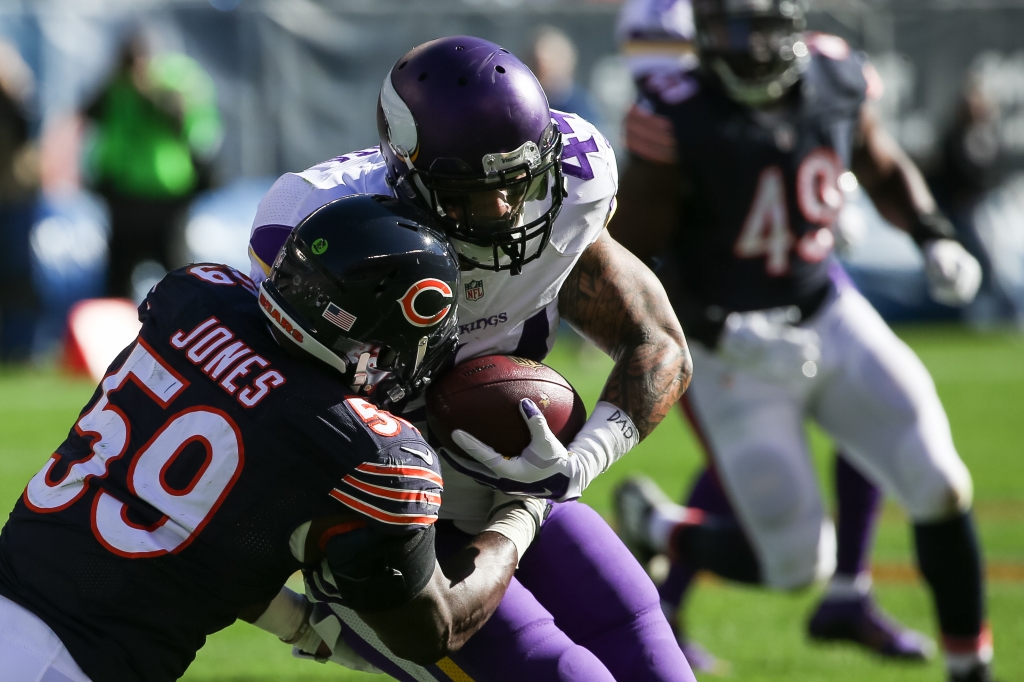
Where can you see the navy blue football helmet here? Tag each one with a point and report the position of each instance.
(754, 47)
(365, 285)
(467, 135)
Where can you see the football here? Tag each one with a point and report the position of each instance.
(481, 396)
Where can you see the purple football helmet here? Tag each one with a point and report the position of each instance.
(466, 132)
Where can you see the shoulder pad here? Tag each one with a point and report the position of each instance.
(175, 292)
(841, 71)
(399, 486)
(295, 195)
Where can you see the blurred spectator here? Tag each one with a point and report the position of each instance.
(19, 189)
(553, 60)
(970, 167)
(157, 128)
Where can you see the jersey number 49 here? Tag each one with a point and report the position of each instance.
(766, 231)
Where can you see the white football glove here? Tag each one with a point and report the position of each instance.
(305, 625)
(954, 275)
(546, 468)
(765, 343)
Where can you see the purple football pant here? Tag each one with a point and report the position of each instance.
(580, 608)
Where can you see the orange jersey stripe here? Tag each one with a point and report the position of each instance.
(340, 529)
(400, 470)
(394, 494)
(380, 514)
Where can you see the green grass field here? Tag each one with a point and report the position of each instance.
(980, 379)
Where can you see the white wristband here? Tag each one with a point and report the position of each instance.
(608, 434)
(286, 615)
(518, 518)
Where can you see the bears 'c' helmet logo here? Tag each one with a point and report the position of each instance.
(408, 302)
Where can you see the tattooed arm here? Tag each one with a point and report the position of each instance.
(611, 298)
(615, 301)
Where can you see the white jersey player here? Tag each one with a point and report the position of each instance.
(657, 37)
(524, 194)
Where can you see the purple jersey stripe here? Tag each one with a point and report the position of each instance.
(533, 343)
(267, 240)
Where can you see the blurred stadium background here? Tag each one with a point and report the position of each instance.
(296, 82)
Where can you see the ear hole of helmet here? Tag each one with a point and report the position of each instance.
(386, 358)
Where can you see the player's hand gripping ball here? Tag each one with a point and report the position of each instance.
(505, 422)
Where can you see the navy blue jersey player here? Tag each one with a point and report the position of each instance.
(738, 207)
(236, 441)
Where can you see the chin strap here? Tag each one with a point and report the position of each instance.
(359, 377)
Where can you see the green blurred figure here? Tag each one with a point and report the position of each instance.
(156, 130)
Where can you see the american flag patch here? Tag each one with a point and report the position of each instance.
(339, 317)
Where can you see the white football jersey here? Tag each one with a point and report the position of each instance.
(498, 312)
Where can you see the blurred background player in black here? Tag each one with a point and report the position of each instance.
(657, 39)
(740, 209)
(156, 130)
(19, 189)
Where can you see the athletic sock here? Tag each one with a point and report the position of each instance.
(964, 654)
(676, 585)
(857, 504)
(950, 561)
(718, 545)
(707, 495)
(663, 522)
(842, 587)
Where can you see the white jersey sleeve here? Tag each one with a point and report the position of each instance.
(295, 195)
(588, 163)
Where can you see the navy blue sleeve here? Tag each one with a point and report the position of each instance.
(397, 488)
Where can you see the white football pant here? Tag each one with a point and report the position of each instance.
(871, 394)
(30, 651)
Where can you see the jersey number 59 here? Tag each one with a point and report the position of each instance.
(185, 510)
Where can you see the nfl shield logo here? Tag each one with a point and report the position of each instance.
(474, 289)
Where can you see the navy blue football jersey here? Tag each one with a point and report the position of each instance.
(759, 189)
(170, 506)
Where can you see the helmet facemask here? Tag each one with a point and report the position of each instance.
(757, 55)
(503, 220)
